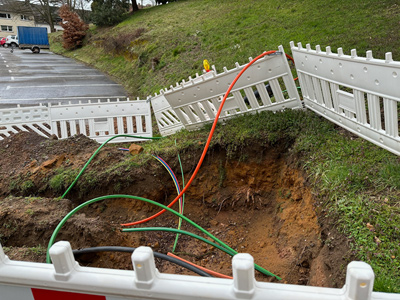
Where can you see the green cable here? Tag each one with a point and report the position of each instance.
(183, 202)
(97, 151)
(178, 231)
(286, 90)
(54, 235)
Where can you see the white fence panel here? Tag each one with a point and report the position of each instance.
(98, 120)
(34, 119)
(102, 120)
(67, 280)
(266, 85)
(168, 123)
(357, 93)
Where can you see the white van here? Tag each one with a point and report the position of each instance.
(11, 41)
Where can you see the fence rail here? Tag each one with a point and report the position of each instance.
(65, 279)
(98, 120)
(360, 94)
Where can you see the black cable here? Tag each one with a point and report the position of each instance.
(257, 94)
(131, 249)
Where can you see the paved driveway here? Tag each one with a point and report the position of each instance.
(30, 79)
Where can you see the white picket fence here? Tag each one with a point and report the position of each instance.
(65, 279)
(361, 94)
(98, 120)
(196, 101)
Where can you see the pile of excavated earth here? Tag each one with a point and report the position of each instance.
(260, 205)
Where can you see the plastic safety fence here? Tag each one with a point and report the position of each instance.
(33, 119)
(167, 121)
(266, 85)
(65, 279)
(98, 120)
(360, 94)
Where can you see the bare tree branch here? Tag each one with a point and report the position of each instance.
(46, 11)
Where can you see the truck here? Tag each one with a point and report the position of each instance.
(33, 38)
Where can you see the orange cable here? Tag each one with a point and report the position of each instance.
(207, 143)
(216, 274)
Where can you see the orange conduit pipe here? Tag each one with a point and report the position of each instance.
(207, 143)
(215, 274)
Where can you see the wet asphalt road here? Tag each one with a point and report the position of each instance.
(29, 79)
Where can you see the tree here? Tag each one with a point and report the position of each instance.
(134, 6)
(45, 11)
(74, 28)
(109, 12)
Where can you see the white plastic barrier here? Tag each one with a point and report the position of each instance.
(98, 120)
(361, 94)
(65, 279)
(197, 101)
(14, 120)
(102, 120)
(168, 123)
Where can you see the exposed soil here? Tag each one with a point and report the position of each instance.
(261, 205)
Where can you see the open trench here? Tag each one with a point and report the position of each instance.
(259, 203)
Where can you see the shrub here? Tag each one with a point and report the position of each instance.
(74, 28)
(122, 42)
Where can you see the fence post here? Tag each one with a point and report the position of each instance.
(243, 275)
(359, 281)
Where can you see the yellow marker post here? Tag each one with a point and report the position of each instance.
(206, 65)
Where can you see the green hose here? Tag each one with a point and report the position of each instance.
(178, 231)
(97, 151)
(72, 212)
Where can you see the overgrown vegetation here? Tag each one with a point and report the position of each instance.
(354, 181)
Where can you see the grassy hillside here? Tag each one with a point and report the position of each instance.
(354, 181)
(158, 46)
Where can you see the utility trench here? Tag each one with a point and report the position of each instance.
(257, 202)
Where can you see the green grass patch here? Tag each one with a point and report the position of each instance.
(62, 179)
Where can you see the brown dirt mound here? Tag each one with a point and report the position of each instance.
(262, 206)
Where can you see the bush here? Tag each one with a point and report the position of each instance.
(74, 28)
(122, 42)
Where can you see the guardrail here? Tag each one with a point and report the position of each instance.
(65, 279)
(360, 94)
(266, 85)
(98, 120)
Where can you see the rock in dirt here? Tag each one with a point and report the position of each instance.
(135, 149)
